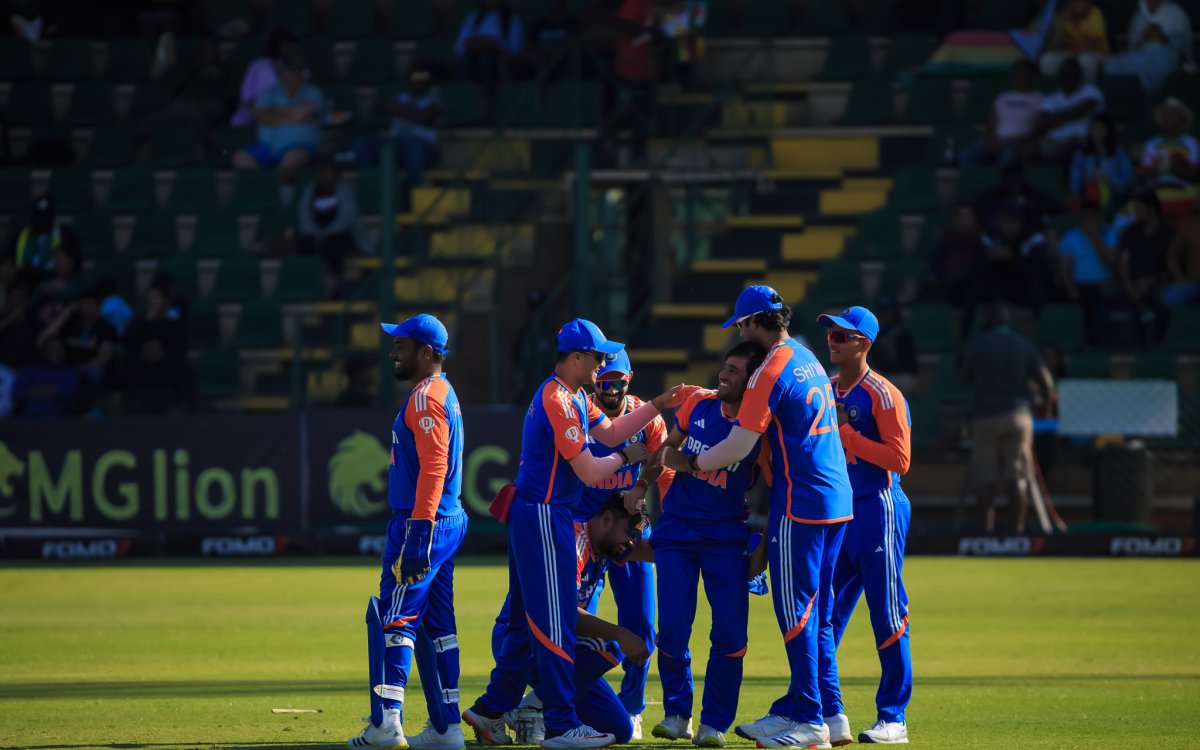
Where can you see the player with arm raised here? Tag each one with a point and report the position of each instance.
(427, 527)
(789, 400)
(874, 425)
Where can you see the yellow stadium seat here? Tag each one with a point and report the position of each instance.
(792, 285)
(818, 152)
(440, 203)
(852, 201)
(815, 243)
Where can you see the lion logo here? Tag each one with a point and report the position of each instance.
(11, 467)
(356, 475)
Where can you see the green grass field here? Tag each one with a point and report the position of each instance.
(1007, 653)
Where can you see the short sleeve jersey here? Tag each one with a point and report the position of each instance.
(878, 411)
(790, 400)
(622, 479)
(555, 431)
(425, 471)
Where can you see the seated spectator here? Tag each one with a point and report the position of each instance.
(1087, 261)
(487, 40)
(958, 256)
(289, 125)
(177, 307)
(202, 94)
(156, 346)
(1170, 162)
(1183, 264)
(549, 36)
(18, 328)
(1101, 171)
(1008, 133)
(1080, 33)
(261, 76)
(50, 387)
(1067, 113)
(90, 341)
(33, 247)
(1016, 266)
(360, 383)
(328, 221)
(1158, 44)
(416, 114)
(1014, 192)
(113, 307)
(893, 352)
(1142, 258)
(64, 280)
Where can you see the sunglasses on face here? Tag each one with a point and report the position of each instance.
(841, 337)
(618, 384)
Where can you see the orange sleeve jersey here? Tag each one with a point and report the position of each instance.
(425, 475)
(555, 431)
(877, 438)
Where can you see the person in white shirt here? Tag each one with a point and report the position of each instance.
(1012, 124)
(1159, 43)
(1067, 113)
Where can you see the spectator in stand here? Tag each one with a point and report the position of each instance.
(89, 340)
(203, 92)
(1079, 33)
(289, 126)
(64, 281)
(549, 36)
(1159, 43)
(1170, 162)
(261, 76)
(1087, 262)
(113, 307)
(416, 114)
(177, 307)
(958, 257)
(1142, 258)
(1183, 264)
(34, 246)
(1012, 192)
(1008, 133)
(18, 333)
(1016, 266)
(490, 36)
(1067, 113)
(893, 352)
(360, 389)
(156, 345)
(50, 387)
(1101, 171)
(328, 221)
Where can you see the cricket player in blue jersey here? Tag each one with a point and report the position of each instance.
(556, 461)
(427, 527)
(874, 426)
(702, 532)
(790, 400)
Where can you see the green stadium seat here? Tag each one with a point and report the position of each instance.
(218, 374)
(95, 232)
(121, 270)
(1185, 87)
(110, 147)
(1089, 365)
(254, 190)
(184, 274)
(1048, 179)
(720, 21)
(15, 190)
(92, 104)
(1003, 16)
(129, 60)
(16, 58)
(373, 61)
(343, 96)
(463, 103)
(767, 19)
(878, 236)
(318, 55)
(848, 58)
(870, 103)
(172, 147)
(947, 382)
(154, 236)
(926, 416)
(238, 280)
(574, 104)
(203, 322)
(295, 17)
(934, 327)
(930, 100)
(904, 278)
(415, 20)
(914, 190)
(518, 105)
(948, 140)
(148, 98)
(216, 236)
(973, 181)
(367, 191)
(931, 230)
(826, 18)
(301, 279)
(1062, 325)
(352, 20)
(1123, 96)
(259, 326)
(72, 189)
(982, 95)
(1155, 365)
(132, 190)
(248, 49)
(1183, 330)
(907, 51)
(30, 104)
(228, 141)
(222, 12)
(70, 60)
(436, 54)
(839, 283)
(194, 191)
(273, 225)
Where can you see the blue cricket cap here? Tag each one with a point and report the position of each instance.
(854, 319)
(584, 336)
(616, 364)
(423, 328)
(753, 300)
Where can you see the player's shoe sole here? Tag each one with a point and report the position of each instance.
(663, 733)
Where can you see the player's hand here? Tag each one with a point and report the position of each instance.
(672, 458)
(756, 561)
(413, 563)
(635, 500)
(633, 646)
(636, 452)
(842, 416)
(673, 397)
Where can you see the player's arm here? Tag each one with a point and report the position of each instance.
(893, 450)
(613, 432)
(590, 626)
(570, 443)
(754, 416)
(431, 434)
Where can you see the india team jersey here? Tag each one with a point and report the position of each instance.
(877, 437)
(425, 469)
(708, 498)
(589, 567)
(556, 431)
(790, 400)
(622, 480)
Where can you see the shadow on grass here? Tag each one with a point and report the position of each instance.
(184, 746)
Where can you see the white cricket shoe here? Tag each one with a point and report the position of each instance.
(581, 736)
(768, 726)
(487, 731)
(799, 734)
(885, 733)
(708, 737)
(673, 728)
(527, 724)
(839, 730)
(387, 736)
(636, 720)
(430, 738)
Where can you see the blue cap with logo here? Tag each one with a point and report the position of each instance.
(423, 328)
(615, 364)
(753, 300)
(584, 336)
(854, 319)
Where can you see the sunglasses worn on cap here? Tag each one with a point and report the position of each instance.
(841, 337)
(612, 385)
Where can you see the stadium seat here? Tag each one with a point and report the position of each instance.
(218, 374)
(982, 95)
(222, 12)
(839, 283)
(1123, 96)
(826, 18)
(274, 225)
(238, 280)
(914, 190)
(463, 103)
(767, 19)
(72, 189)
(1089, 365)
(373, 61)
(574, 104)
(16, 58)
(317, 53)
(948, 139)
(342, 96)
(95, 232)
(148, 98)
(295, 17)
(353, 20)
(228, 141)
(15, 195)
(1048, 179)
(70, 60)
(870, 103)
(154, 236)
(847, 59)
(1062, 325)
(904, 278)
(194, 191)
(172, 147)
(30, 104)
(518, 105)
(878, 236)
(926, 416)
(254, 190)
(248, 49)
(183, 273)
(92, 104)
(110, 147)
(1156, 365)
(436, 54)
(1002, 16)
(216, 236)
(120, 270)
(907, 51)
(259, 326)
(1185, 87)
(132, 190)
(1183, 330)
(409, 20)
(301, 279)
(935, 223)
(934, 327)
(973, 181)
(129, 60)
(368, 190)
(930, 100)
(947, 382)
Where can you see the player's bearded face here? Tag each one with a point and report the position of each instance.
(404, 357)
(731, 380)
(612, 396)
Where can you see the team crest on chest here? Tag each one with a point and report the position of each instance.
(853, 411)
